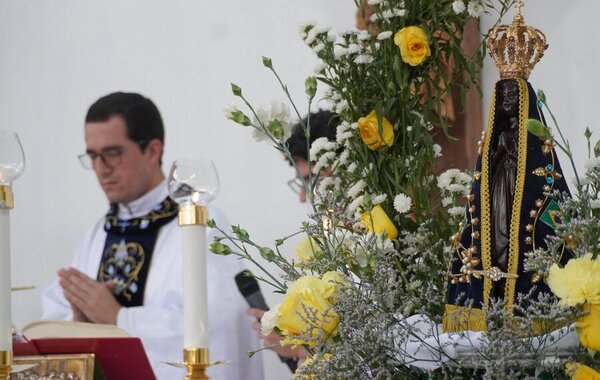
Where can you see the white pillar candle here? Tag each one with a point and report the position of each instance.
(5, 294)
(195, 301)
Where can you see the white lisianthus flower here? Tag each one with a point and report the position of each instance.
(269, 320)
(456, 211)
(402, 203)
(595, 203)
(363, 59)
(356, 189)
(458, 6)
(229, 110)
(384, 35)
(437, 151)
(475, 8)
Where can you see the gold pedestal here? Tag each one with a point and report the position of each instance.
(192, 215)
(196, 362)
(5, 364)
(6, 197)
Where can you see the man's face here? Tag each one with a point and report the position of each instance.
(134, 175)
(303, 171)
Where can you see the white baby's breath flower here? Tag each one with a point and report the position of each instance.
(384, 35)
(374, 2)
(458, 6)
(437, 151)
(400, 12)
(329, 184)
(355, 204)
(341, 106)
(379, 198)
(456, 211)
(448, 177)
(402, 203)
(447, 201)
(342, 158)
(354, 48)
(363, 59)
(363, 35)
(305, 25)
(319, 145)
(356, 189)
(331, 36)
(352, 167)
(318, 47)
(595, 203)
(339, 51)
(324, 161)
(409, 128)
(456, 188)
(474, 8)
(319, 68)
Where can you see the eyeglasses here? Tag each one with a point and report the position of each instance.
(111, 156)
(297, 184)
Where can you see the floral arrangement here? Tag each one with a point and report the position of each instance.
(369, 281)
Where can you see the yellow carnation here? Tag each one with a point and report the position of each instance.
(371, 134)
(413, 44)
(588, 327)
(377, 221)
(582, 372)
(305, 318)
(577, 283)
(307, 250)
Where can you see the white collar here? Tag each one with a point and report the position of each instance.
(144, 204)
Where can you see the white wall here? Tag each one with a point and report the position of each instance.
(57, 57)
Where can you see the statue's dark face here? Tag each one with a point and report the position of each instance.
(508, 98)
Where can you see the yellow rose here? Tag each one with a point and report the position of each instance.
(327, 286)
(377, 221)
(307, 250)
(413, 44)
(370, 134)
(588, 327)
(305, 318)
(582, 372)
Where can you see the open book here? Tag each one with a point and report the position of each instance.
(69, 329)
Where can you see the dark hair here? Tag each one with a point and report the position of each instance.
(322, 124)
(142, 119)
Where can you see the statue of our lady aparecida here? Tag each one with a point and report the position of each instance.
(510, 210)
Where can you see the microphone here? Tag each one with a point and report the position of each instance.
(250, 290)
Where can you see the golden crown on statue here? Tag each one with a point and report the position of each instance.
(516, 48)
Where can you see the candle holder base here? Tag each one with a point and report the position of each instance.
(196, 363)
(5, 364)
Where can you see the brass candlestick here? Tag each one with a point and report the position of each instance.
(5, 364)
(192, 215)
(196, 362)
(6, 197)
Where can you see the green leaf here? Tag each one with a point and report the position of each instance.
(237, 90)
(211, 223)
(597, 149)
(537, 128)
(267, 62)
(310, 86)
(219, 248)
